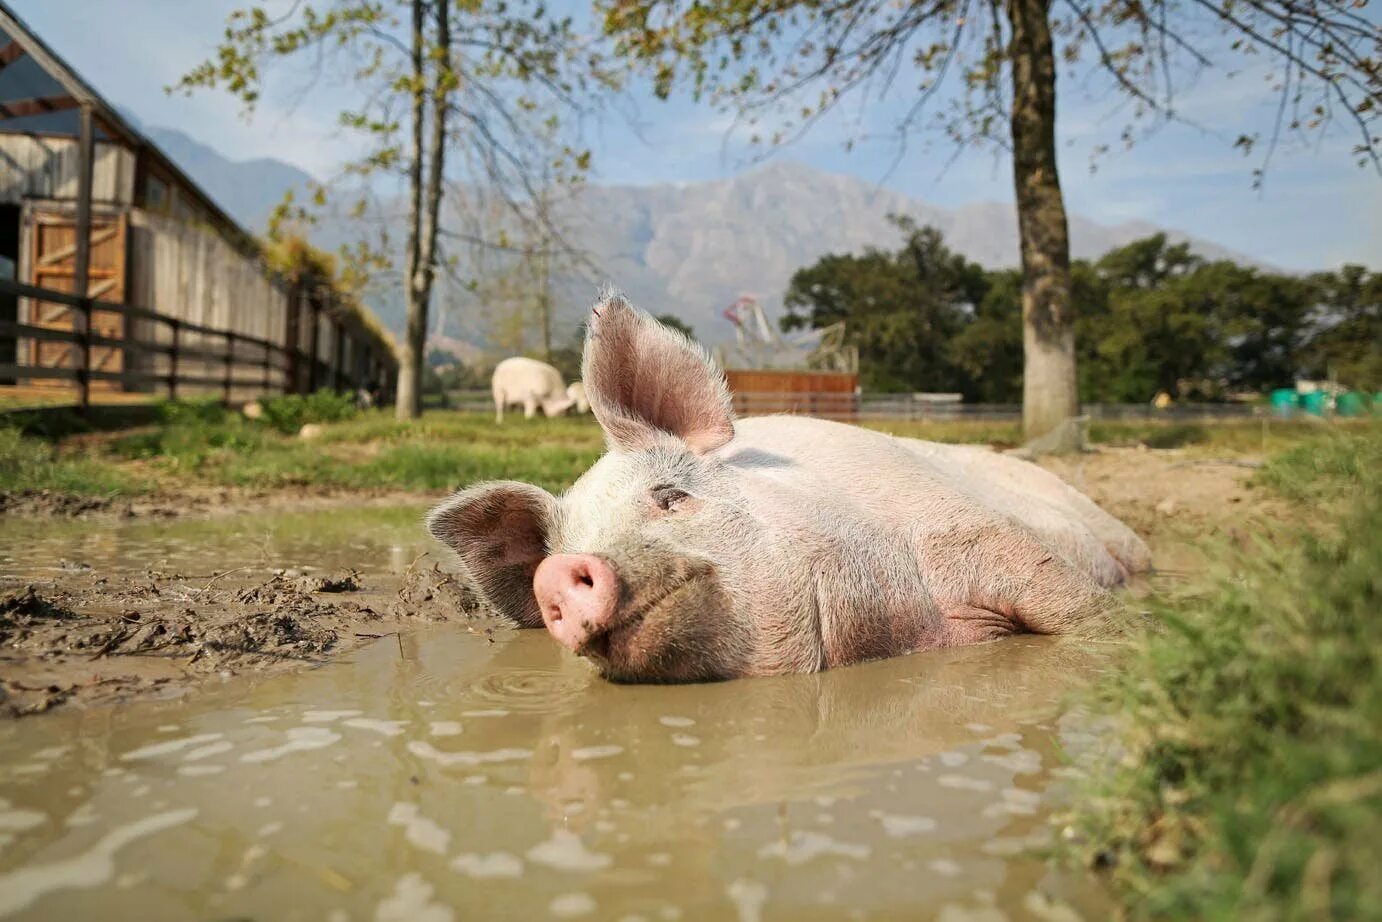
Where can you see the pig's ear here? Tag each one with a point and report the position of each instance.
(645, 381)
(499, 530)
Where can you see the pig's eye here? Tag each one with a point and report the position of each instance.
(668, 497)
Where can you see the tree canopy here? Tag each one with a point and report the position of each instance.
(1150, 316)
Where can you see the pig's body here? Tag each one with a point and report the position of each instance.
(526, 382)
(703, 547)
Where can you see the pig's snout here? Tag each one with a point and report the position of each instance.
(577, 594)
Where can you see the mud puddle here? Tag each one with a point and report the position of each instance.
(94, 612)
(456, 778)
(462, 771)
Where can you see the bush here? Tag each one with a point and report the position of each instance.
(290, 412)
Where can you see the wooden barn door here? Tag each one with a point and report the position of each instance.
(53, 251)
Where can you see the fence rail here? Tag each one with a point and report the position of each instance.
(197, 355)
(906, 407)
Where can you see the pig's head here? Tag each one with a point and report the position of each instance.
(637, 566)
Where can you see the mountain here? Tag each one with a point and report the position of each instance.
(690, 249)
(247, 190)
(687, 248)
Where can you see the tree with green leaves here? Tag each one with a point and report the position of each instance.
(455, 96)
(900, 308)
(783, 64)
(1347, 315)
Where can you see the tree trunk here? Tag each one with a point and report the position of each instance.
(424, 203)
(409, 399)
(1050, 392)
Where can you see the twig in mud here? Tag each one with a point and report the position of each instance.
(213, 579)
(397, 635)
(110, 644)
(195, 656)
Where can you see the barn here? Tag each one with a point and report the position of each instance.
(119, 274)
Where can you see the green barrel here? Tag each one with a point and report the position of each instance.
(1315, 403)
(1351, 403)
(1284, 401)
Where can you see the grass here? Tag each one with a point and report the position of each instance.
(200, 442)
(30, 464)
(1250, 779)
(1234, 435)
(204, 444)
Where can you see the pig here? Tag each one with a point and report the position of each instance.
(533, 384)
(703, 547)
(576, 391)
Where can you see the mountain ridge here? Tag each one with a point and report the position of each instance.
(690, 248)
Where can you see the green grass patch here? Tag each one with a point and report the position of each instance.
(290, 412)
(203, 443)
(1326, 469)
(32, 464)
(1249, 784)
(1232, 435)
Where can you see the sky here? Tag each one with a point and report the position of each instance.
(1315, 210)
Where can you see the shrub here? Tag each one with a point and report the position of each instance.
(290, 412)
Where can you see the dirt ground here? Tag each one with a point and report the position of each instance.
(83, 638)
(193, 500)
(87, 638)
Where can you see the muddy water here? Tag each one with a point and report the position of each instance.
(455, 776)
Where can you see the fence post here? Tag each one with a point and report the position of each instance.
(230, 363)
(173, 360)
(312, 338)
(84, 371)
(81, 259)
(265, 385)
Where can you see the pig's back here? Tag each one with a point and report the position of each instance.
(929, 486)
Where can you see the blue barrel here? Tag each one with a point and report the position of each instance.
(1284, 402)
(1315, 403)
(1351, 403)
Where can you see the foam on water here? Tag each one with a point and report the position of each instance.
(802, 846)
(566, 852)
(21, 888)
(300, 739)
(420, 831)
(484, 867)
(571, 905)
(595, 752)
(425, 750)
(445, 728)
(155, 750)
(412, 902)
(384, 727)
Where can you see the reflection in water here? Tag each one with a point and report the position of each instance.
(462, 778)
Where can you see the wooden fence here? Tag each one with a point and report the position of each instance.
(906, 407)
(192, 356)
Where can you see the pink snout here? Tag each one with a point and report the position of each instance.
(577, 594)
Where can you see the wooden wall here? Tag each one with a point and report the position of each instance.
(45, 167)
(791, 382)
(190, 272)
(827, 394)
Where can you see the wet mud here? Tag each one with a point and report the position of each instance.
(78, 632)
